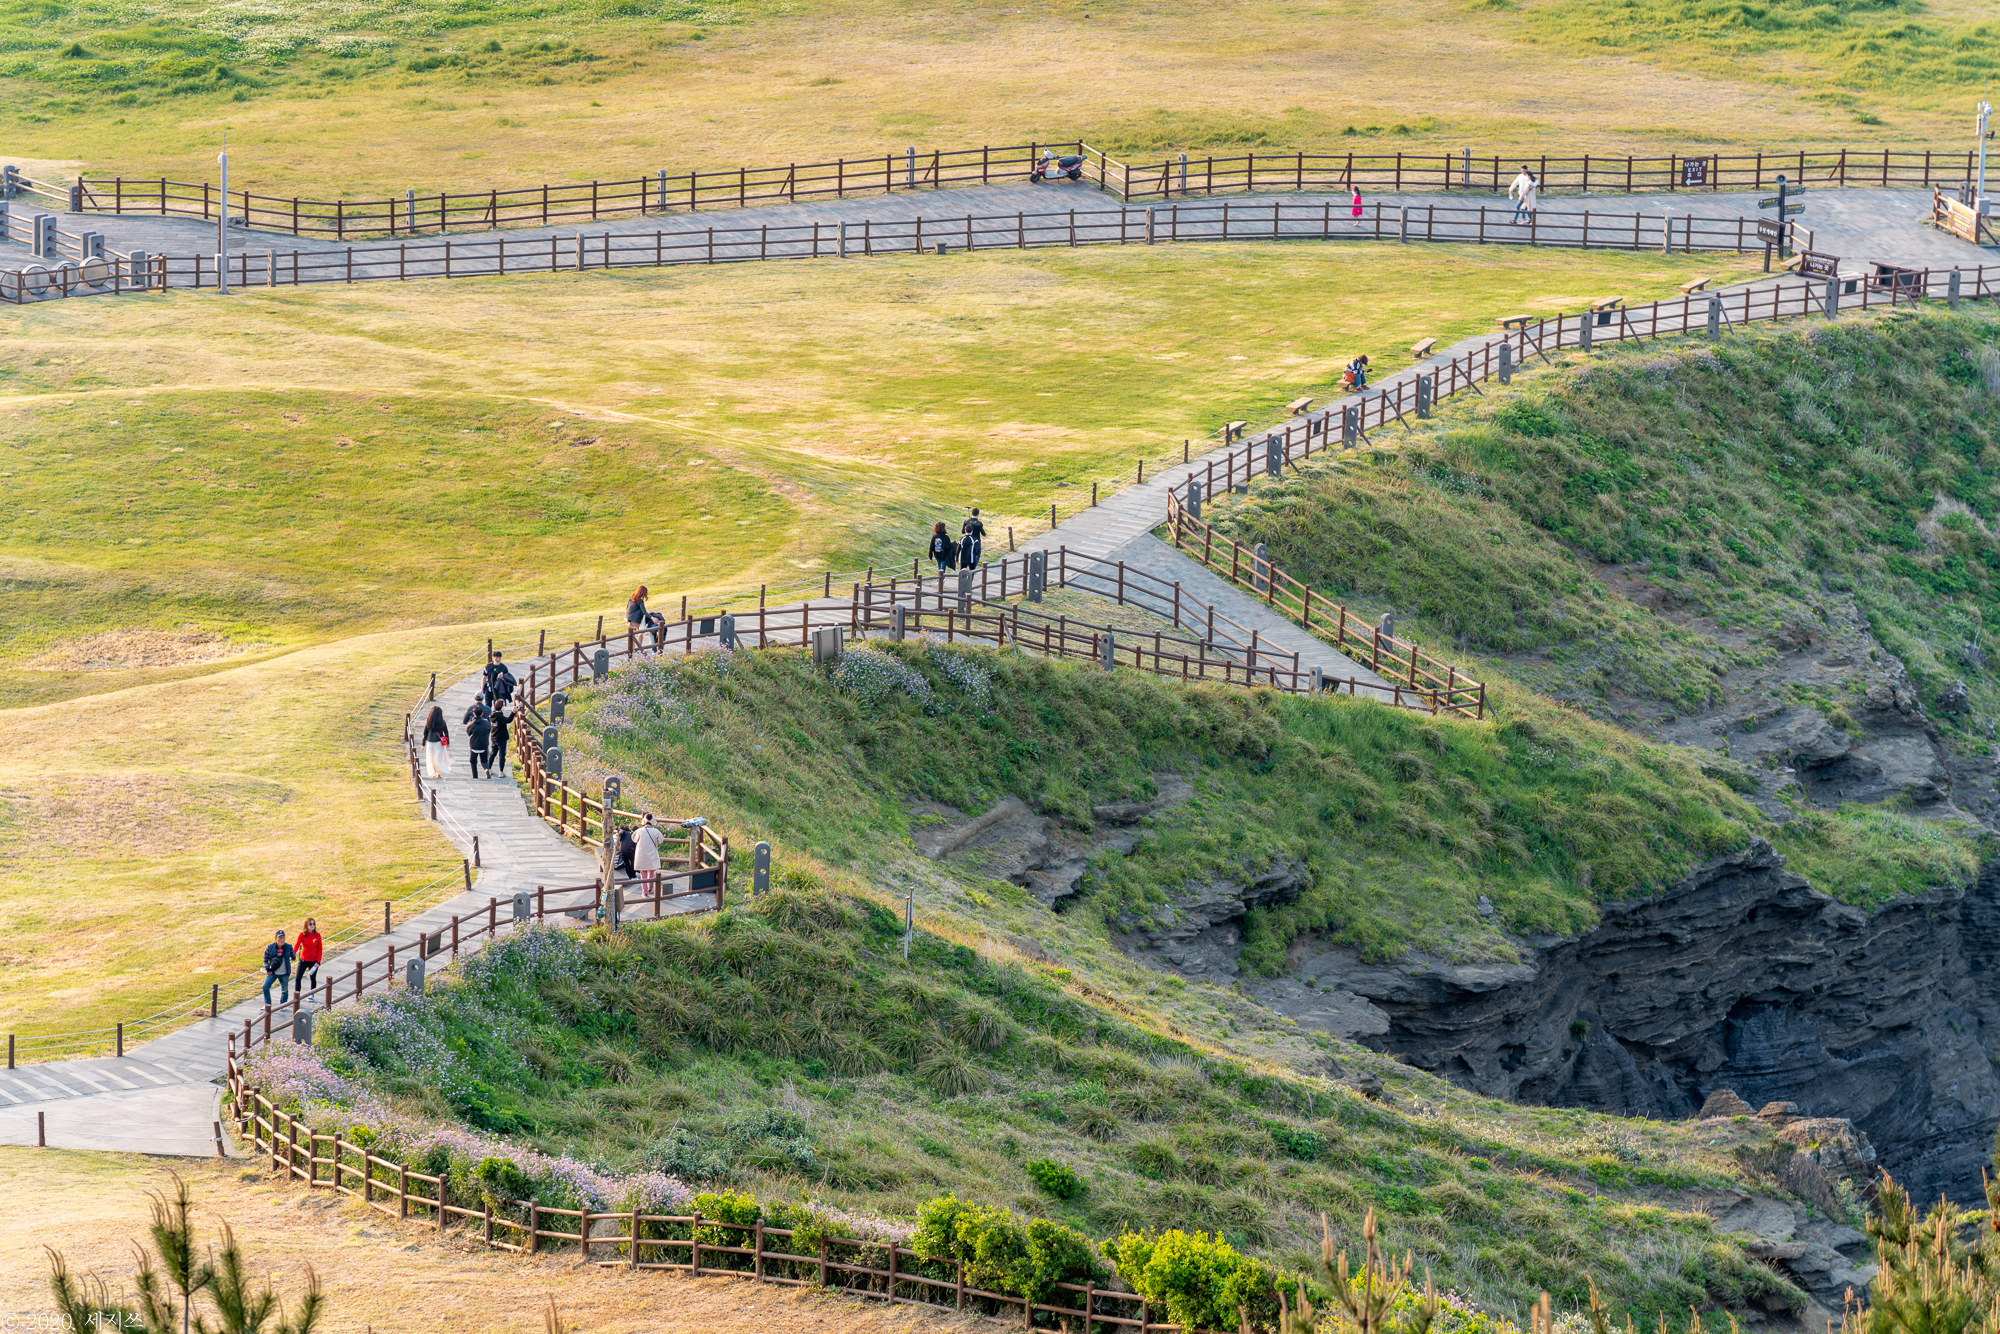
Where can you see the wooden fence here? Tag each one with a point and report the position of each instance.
(1264, 220)
(1403, 172)
(740, 187)
(1347, 422)
(546, 205)
(684, 1243)
(1203, 645)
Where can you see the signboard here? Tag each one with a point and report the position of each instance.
(1770, 231)
(1694, 171)
(1814, 264)
(1961, 220)
(1771, 201)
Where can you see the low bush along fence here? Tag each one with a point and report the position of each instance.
(957, 1257)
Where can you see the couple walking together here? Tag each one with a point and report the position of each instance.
(963, 553)
(280, 956)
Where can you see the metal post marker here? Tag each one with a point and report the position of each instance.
(222, 222)
(760, 868)
(909, 921)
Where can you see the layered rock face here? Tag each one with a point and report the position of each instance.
(1743, 977)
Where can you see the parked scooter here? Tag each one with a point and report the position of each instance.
(1052, 166)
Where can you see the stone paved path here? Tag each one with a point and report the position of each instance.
(1858, 224)
(162, 1096)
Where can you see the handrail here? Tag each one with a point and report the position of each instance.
(1345, 423)
(883, 1269)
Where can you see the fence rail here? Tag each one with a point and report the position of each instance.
(547, 205)
(1204, 645)
(1346, 423)
(1406, 172)
(107, 273)
(417, 212)
(633, 1239)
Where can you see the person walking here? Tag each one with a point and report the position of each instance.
(437, 745)
(278, 968)
(499, 680)
(478, 732)
(1357, 207)
(943, 550)
(310, 948)
(971, 540)
(496, 743)
(1523, 192)
(646, 842)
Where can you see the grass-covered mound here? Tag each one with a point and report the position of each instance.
(1746, 487)
(1403, 820)
(785, 1049)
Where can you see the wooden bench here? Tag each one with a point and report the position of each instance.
(1605, 307)
(1231, 431)
(1422, 347)
(1515, 321)
(1693, 285)
(1298, 406)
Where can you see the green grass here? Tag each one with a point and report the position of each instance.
(1403, 821)
(786, 1047)
(1842, 49)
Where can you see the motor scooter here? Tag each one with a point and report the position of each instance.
(1051, 166)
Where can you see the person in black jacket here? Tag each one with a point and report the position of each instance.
(503, 724)
(499, 680)
(278, 968)
(972, 539)
(478, 731)
(944, 550)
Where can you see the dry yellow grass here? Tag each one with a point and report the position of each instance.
(863, 77)
(378, 1273)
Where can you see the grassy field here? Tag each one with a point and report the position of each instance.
(204, 472)
(355, 99)
(238, 483)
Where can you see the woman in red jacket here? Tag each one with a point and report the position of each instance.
(309, 946)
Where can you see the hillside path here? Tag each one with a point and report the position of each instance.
(1859, 224)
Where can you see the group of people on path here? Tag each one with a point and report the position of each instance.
(488, 723)
(963, 551)
(280, 958)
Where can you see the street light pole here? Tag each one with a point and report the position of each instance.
(1985, 112)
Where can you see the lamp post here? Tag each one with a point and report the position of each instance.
(1985, 113)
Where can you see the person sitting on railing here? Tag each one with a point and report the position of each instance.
(639, 620)
(943, 549)
(278, 968)
(1356, 375)
(437, 745)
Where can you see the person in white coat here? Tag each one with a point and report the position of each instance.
(1523, 192)
(646, 842)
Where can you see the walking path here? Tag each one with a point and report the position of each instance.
(1858, 224)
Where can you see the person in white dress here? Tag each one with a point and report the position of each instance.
(437, 745)
(646, 842)
(1523, 192)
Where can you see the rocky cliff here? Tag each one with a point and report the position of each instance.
(1741, 976)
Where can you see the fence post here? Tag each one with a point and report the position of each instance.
(534, 1226)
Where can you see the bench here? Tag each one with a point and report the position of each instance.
(1231, 431)
(1298, 406)
(1514, 321)
(1422, 347)
(1693, 285)
(1605, 307)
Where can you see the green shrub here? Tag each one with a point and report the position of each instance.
(1200, 1279)
(1000, 1253)
(1056, 1178)
(501, 1180)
